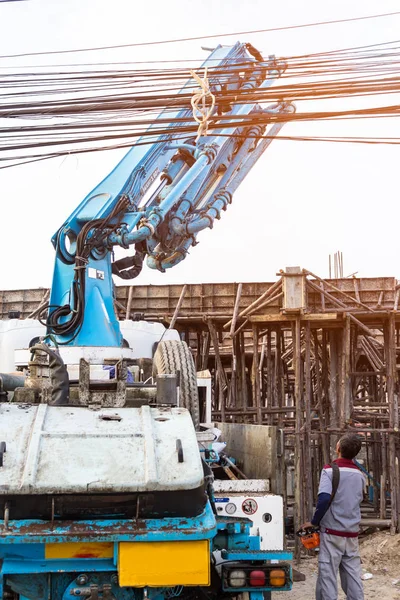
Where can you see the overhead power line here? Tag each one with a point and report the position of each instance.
(205, 37)
(53, 113)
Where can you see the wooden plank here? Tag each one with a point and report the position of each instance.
(332, 316)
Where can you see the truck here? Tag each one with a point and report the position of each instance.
(106, 491)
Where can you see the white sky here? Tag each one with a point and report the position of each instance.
(300, 203)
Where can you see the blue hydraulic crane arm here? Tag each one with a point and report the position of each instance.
(157, 198)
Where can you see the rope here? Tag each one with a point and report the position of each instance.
(202, 114)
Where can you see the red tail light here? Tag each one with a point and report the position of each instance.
(257, 579)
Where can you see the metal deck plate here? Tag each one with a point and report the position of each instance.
(56, 450)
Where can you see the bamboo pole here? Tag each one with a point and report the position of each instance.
(362, 326)
(269, 372)
(390, 356)
(43, 304)
(254, 305)
(219, 368)
(336, 289)
(327, 295)
(307, 433)
(321, 285)
(319, 396)
(243, 371)
(178, 307)
(347, 408)
(297, 455)
(356, 290)
(239, 329)
(129, 303)
(333, 384)
(255, 377)
(236, 309)
(279, 378)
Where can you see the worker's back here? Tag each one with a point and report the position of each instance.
(344, 515)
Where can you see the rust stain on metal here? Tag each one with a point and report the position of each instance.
(77, 529)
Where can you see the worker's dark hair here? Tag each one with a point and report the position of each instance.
(350, 445)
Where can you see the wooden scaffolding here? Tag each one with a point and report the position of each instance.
(315, 357)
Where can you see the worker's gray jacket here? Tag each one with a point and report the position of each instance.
(343, 516)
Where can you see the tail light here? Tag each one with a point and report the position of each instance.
(277, 578)
(237, 578)
(257, 579)
(251, 578)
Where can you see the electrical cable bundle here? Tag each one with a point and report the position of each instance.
(54, 110)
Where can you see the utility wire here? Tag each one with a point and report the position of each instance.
(205, 37)
(43, 115)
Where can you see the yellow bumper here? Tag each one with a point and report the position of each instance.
(162, 564)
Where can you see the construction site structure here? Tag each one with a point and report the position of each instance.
(315, 357)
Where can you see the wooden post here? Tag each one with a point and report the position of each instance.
(382, 506)
(345, 370)
(177, 308)
(205, 350)
(393, 366)
(333, 384)
(325, 384)
(307, 432)
(390, 359)
(279, 378)
(218, 367)
(255, 376)
(43, 304)
(233, 383)
(255, 305)
(367, 330)
(243, 372)
(321, 285)
(236, 309)
(269, 374)
(297, 451)
(356, 290)
(129, 304)
(261, 371)
(336, 289)
(383, 477)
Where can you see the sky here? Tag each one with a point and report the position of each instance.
(301, 202)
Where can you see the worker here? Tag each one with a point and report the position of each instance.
(338, 519)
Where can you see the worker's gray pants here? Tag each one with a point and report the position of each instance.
(339, 554)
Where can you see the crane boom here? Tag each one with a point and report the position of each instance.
(165, 190)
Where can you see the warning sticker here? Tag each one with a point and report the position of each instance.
(249, 506)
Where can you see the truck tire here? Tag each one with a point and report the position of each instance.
(172, 356)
